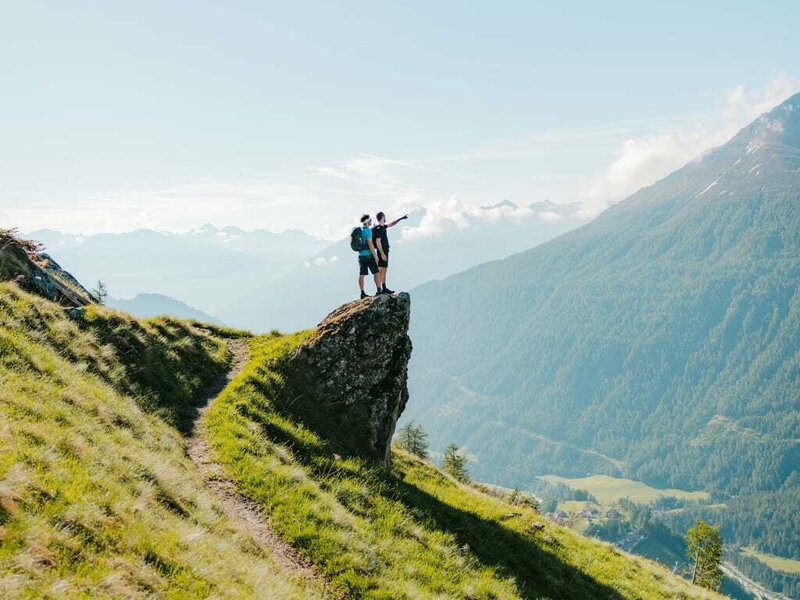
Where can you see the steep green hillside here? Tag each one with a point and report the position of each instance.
(660, 342)
(97, 497)
(410, 533)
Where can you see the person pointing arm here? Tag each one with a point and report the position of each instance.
(382, 243)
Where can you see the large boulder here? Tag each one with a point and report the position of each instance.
(348, 381)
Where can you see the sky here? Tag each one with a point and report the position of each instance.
(171, 114)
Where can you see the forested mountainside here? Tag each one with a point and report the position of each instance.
(660, 342)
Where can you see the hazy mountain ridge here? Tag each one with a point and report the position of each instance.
(430, 245)
(205, 267)
(263, 280)
(153, 305)
(662, 335)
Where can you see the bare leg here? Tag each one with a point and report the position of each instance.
(361, 282)
(377, 278)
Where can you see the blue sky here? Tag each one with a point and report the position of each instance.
(116, 115)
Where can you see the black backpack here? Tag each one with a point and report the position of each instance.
(357, 241)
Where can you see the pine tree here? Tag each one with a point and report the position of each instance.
(455, 464)
(704, 549)
(419, 442)
(412, 438)
(404, 436)
(100, 292)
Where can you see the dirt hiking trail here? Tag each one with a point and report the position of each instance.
(245, 514)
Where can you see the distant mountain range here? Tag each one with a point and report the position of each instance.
(427, 246)
(154, 305)
(206, 267)
(262, 280)
(658, 342)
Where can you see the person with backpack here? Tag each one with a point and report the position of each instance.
(361, 242)
(381, 238)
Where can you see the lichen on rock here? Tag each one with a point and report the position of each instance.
(348, 381)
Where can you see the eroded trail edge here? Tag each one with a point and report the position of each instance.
(243, 512)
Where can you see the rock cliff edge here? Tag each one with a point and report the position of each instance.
(348, 381)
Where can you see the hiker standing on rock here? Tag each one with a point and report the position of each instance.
(361, 242)
(382, 243)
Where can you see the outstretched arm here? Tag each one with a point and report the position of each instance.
(396, 221)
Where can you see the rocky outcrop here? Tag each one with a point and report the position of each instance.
(23, 262)
(348, 381)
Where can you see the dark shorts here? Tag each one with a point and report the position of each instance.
(381, 262)
(367, 263)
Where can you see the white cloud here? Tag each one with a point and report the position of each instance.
(368, 172)
(298, 201)
(640, 162)
(326, 200)
(736, 95)
(441, 216)
(549, 216)
(501, 212)
(321, 261)
(456, 214)
(645, 159)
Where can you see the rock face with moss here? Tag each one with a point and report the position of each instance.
(348, 381)
(23, 262)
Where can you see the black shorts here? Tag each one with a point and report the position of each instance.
(381, 262)
(367, 263)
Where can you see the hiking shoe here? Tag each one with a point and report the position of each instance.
(387, 290)
(364, 295)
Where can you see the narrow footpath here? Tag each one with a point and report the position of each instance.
(243, 512)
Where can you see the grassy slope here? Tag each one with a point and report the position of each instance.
(413, 533)
(97, 498)
(787, 565)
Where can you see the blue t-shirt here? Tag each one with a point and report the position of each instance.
(367, 233)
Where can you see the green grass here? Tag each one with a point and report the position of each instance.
(787, 565)
(97, 497)
(410, 533)
(662, 549)
(609, 490)
(162, 362)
